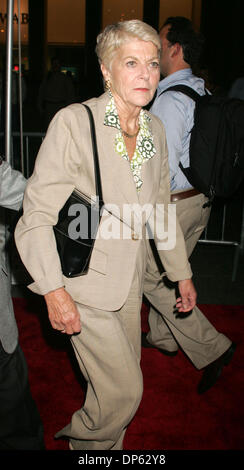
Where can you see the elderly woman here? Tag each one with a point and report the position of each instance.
(101, 310)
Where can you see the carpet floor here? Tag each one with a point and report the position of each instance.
(171, 414)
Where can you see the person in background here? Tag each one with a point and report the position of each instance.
(237, 88)
(100, 310)
(56, 91)
(20, 423)
(193, 333)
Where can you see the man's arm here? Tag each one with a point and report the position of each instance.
(188, 296)
(12, 187)
(171, 112)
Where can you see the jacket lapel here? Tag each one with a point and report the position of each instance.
(115, 170)
(118, 183)
(150, 176)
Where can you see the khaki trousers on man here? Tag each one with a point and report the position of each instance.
(194, 333)
(108, 351)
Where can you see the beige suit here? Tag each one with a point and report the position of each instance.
(108, 348)
(198, 338)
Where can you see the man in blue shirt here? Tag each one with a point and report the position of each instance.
(204, 345)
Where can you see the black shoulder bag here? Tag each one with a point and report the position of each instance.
(78, 222)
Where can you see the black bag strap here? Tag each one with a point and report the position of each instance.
(155, 250)
(187, 90)
(191, 93)
(95, 157)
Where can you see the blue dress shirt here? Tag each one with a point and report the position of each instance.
(176, 111)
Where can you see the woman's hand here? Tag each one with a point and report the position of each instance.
(188, 294)
(62, 311)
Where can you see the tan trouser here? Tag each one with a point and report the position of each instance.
(108, 351)
(194, 334)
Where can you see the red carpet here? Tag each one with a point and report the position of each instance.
(171, 415)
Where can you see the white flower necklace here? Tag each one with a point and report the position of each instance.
(144, 144)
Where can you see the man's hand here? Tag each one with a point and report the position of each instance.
(188, 296)
(62, 311)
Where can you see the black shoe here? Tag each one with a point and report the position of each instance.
(213, 371)
(146, 344)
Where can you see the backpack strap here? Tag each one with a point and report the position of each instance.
(187, 90)
(195, 97)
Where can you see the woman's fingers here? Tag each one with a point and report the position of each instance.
(62, 311)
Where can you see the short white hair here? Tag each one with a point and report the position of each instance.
(115, 35)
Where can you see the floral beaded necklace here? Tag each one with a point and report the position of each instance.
(144, 143)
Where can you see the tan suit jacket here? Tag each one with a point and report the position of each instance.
(65, 162)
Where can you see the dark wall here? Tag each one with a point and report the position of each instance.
(222, 25)
(223, 28)
(36, 41)
(93, 79)
(151, 12)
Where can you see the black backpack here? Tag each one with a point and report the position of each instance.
(216, 150)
